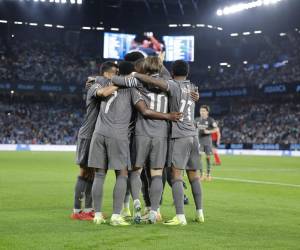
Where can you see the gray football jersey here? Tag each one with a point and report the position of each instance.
(156, 100)
(116, 112)
(92, 109)
(181, 101)
(203, 124)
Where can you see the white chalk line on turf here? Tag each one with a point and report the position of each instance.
(257, 182)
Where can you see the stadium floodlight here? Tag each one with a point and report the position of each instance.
(3, 21)
(234, 34)
(86, 28)
(173, 25)
(43, 0)
(72, 1)
(245, 62)
(257, 32)
(35, 0)
(12, 92)
(219, 28)
(33, 24)
(223, 64)
(79, 1)
(209, 26)
(100, 28)
(220, 12)
(209, 67)
(246, 33)
(48, 25)
(16, 22)
(186, 25)
(60, 26)
(51, 1)
(63, 1)
(228, 65)
(244, 6)
(282, 34)
(57, 1)
(114, 29)
(200, 25)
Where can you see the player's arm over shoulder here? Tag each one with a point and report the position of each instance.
(153, 81)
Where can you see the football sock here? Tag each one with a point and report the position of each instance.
(119, 193)
(97, 190)
(136, 185)
(197, 192)
(156, 190)
(177, 191)
(88, 194)
(79, 191)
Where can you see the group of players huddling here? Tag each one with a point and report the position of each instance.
(140, 123)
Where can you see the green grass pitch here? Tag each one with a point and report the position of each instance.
(36, 198)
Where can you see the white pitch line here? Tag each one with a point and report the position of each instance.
(257, 182)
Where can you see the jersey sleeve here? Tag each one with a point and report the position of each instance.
(92, 92)
(126, 81)
(173, 88)
(213, 124)
(136, 96)
(165, 74)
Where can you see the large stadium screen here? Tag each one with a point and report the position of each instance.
(116, 45)
(179, 47)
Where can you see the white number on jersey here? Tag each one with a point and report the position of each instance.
(115, 93)
(158, 99)
(183, 104)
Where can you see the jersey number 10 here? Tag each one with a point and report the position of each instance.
(157, 99)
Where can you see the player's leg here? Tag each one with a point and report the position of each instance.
(118, 160)
(194, 180)
(193, 165)
(202, 176)
(97, 194)
(82, 182)
(88, 201)
(126, 205)
(98, 161)
(208, 153)
(216, 155)
(142, 151)
(180, 151)
(145, 188)
(158, 157)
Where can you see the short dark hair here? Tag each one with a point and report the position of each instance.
(205, 107)
(126, 68)
(133, 56)
(180, 68)
(107, 66)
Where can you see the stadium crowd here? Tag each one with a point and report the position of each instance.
(262, 123)
(50, 62)
(42, 123)
(279, 62)
(39, 123)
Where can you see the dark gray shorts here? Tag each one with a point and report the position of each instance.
(152, 148)
(109, 153)
(207, 149)
(82, 151)
(184, 153)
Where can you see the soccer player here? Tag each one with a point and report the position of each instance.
(110, 147)
(150, 140)
(206, 126)
(184, 148)
(216, 138)
(96, 88)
